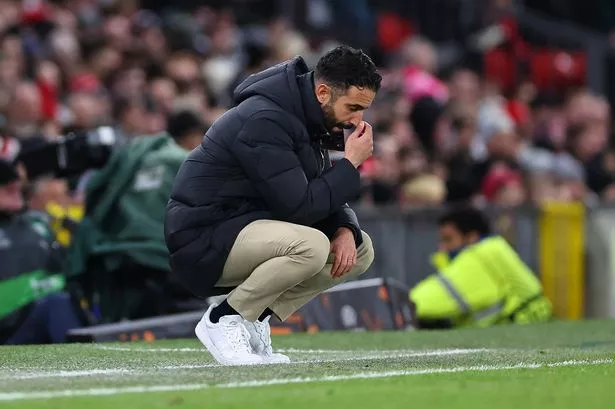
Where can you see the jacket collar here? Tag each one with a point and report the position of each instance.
(454, 253)
(314, 116)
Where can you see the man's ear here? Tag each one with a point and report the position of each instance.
(323, 93)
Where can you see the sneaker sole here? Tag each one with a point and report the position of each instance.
(275, 361)
(201, 332)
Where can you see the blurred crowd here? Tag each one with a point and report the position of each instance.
(445, 131)
(460, 138)
(71, 66)
(74, 65)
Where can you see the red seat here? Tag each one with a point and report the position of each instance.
(551, 69)
(500, 68)
(392, 31)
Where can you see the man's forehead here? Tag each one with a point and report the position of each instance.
(362, 96)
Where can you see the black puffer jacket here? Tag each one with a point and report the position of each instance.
(261, 160)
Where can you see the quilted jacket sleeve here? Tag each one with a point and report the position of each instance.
(265, 150)
(343, 217)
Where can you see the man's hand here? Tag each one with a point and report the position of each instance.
(345, 251)
(360, 144)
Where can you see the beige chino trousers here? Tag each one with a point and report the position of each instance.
(282, 266)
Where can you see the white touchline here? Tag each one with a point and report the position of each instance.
(127, 349)
(353, 352)
(63, 374)
(41, 373)
(426, 371)
(173, 350)
(324, 351)
(288, 350)
(375, 355)
(15, 396)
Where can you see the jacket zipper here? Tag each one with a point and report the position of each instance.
(320, 159)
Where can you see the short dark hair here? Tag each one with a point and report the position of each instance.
(180, 123)
(344, 67)
(467, 219)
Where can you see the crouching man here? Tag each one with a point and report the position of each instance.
(258, 207)
(481, 280)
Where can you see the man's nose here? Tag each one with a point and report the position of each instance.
(356, 119)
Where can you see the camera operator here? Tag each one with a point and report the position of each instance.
(118, 254)
(34, 309)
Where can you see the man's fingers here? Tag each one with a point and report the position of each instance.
(343, 263)
(334, 268)
(337, 263)
(358, 130)
(341, 271)
(345, 267)
(348, 266)
(352, 260)
(351, 264)
(341, 267)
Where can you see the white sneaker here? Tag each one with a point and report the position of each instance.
(260, 339)
(228, 340)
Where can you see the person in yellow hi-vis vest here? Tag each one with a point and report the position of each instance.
(481, 281)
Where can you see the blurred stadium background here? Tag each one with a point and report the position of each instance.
(465, 81)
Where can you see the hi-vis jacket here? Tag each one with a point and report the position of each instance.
(483, 285)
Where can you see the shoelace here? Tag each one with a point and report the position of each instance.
(264, 335)
(238, 337)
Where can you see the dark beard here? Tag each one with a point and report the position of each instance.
(331, 122)
(334, 139)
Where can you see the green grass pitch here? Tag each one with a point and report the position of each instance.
(558, 365)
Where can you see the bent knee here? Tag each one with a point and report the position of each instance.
(365, 256)
(314, 246)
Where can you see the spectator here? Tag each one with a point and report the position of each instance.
(465, 172)
(471, 136)
(424, 190)
(186, 128)
(163, 92)
(464, 88)
(419, 76)
(131, 115)
(428, 119)
(601, 174)
(28, 316)
(504, 187)
(23, 111)
(86, 110)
